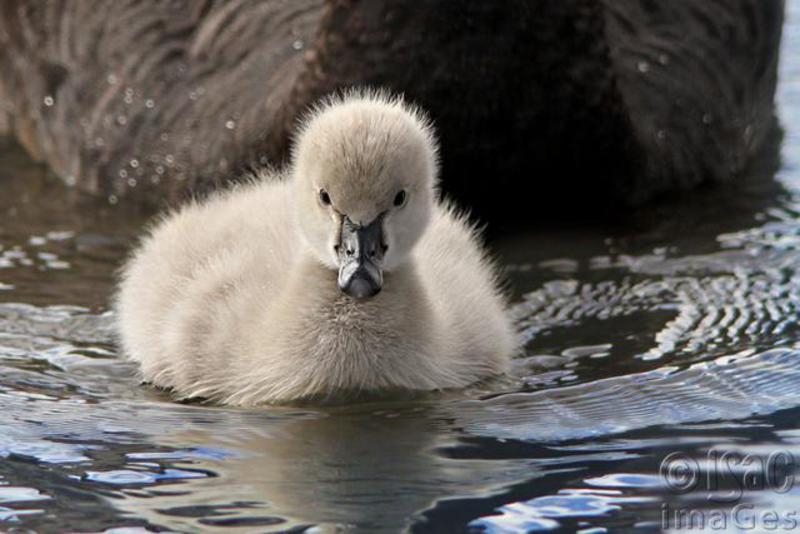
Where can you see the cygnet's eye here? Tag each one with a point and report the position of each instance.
(324, 197)
(400, 198)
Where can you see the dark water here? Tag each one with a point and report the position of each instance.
(660, 386)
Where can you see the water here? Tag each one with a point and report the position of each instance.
(660, 378)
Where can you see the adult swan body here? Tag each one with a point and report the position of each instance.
(599, 103)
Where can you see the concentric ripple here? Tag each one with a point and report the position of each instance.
(729, 387)
(718, 302)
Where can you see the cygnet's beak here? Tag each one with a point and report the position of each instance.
(360, 253)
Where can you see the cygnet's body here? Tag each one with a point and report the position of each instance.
(344, 275)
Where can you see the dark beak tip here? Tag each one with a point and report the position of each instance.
(359, 288)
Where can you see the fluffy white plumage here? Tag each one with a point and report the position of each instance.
(235, 299)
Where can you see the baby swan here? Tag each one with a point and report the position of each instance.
(342, 274)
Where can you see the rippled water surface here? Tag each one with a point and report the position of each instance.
(661, 375)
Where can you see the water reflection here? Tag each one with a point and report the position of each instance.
(421, 464)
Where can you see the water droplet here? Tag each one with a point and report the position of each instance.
(134, 163)
(122, 120)
(132, 182)
(128, 99)
(123, 173)
(663, 59)
(298, 44)
(155, 178)
(164, 136)
(193, 95)
(70, 180)
(112, 199)
(170, 159)
(643, 66)
(707, 118)
(111, 79)
(98, 142)
(149, 103)
(128, 91)
(48, 101)
(160, 169)
(661, 135)
(230, 125)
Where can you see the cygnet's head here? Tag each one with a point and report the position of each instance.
(364, 171)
